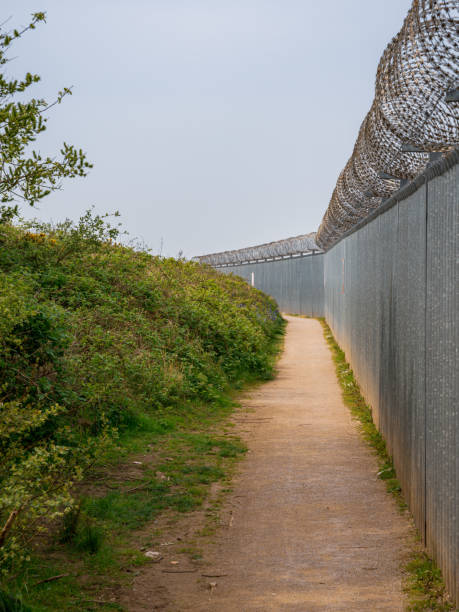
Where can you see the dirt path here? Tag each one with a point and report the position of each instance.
(308, 525)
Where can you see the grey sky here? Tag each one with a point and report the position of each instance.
(213, 124)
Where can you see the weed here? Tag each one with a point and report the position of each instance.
(70, 522)
(362, 413)
(204, 473)
(192, 551)
(9, 603)
(89, 538)
(424, 584)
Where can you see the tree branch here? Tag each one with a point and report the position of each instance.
(7, 526)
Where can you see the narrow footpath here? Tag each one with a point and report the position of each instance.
(310, 526)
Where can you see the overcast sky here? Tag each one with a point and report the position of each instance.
(212, 124)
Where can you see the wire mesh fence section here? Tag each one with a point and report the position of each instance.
(305, 243)
(415, 113)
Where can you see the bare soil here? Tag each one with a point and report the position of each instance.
(308, 525)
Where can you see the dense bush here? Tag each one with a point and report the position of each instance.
(94, 336)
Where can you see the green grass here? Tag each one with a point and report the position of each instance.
(360, 410)
(179, 463)
(182, 453)
(110, 356)
(12, 604)
(424, 583)
(98, 541)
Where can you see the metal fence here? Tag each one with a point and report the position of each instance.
(296, 283)
(391, 299)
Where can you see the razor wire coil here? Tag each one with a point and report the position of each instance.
(410, 119)
(410, 116)
(270, 250)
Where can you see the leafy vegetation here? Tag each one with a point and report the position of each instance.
(103, 351)
(362, 412)
(424, 584)
(25, 174)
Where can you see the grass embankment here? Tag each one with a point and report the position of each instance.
(424, 583)
(117, 370)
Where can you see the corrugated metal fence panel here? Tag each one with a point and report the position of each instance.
(334, 291)
(297, 283)
(388, 238)
(441, 374)
(373, 315)
(362, 340)
(408, 351)
(310, 275)
(395, 315)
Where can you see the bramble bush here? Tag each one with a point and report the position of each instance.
(95, 336)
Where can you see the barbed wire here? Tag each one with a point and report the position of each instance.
(280, 248)
(410, 116)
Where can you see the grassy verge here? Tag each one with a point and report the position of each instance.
(163, 470)
(101, 542)
(424, 584)
(117, 371)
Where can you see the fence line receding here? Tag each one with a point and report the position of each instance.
(305, 243)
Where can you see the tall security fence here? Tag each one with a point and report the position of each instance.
(391, 299)
(296, 283)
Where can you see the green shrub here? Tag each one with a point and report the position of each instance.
(97, 339)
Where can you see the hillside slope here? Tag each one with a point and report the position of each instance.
(96, 341)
